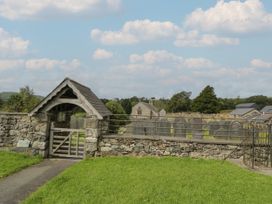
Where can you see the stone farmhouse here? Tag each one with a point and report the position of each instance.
(146, 110)
(266, 110)
(245, 111)
(265, 116)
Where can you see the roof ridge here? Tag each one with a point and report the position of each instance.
(67, 78)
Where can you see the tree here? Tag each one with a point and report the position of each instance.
(126, 104)
(227, 103)
(161, 103)
(134, 100)
(115, 107)
(119, 118)
(206, 102)
(1, 103)
(180, 102)
(260, 100)
(24, 101)
(15, 103)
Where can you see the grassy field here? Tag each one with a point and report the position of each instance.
(11, 162)
(124, 180)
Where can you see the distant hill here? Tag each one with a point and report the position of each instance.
(5, 95)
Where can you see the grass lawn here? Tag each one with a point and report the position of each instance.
(124, 180)
(11, 162)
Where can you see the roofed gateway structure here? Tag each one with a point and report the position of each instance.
(69, 94)
(73, 113)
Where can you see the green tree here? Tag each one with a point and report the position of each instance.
(161, 103)
(126, 104)
(1, 103)
(180, 102)
(119, 117)
(134, 100)
(15, 103)
(29, 99)
(260, 100)
(115, 107)
(227, 103)
(24, 101)
(206, 102)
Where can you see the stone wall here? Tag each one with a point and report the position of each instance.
(19, 127)
(15, 127)
(165, 146)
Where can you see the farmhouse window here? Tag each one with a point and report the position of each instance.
(139, 111)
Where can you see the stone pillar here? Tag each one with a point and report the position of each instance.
(92, 134)
(41, 134)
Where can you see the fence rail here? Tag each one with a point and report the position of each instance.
(190, 128)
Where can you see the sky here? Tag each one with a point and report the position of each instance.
(125, 48)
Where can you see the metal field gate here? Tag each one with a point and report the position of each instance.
(257, 148)
(67, 143)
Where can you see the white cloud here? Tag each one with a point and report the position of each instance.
(23, 9)
(164, 58)
(260, 63)
(100, 54)
(39, 64)
(50, 64)
(135, 31)
(155, 56)
(198, 63)
(231, 16)
(161, 73)
(43, 63)
(10, 64)
(11, 45)
(193, 39)
(114, 4)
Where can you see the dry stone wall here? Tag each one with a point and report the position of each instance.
(163, 146)
(33, 131)
(19, 129)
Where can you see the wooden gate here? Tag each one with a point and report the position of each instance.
(67, 142)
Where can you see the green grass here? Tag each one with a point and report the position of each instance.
(11, 162)
(125, 180)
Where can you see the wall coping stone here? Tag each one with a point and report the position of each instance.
(13, 113)
(168, 138)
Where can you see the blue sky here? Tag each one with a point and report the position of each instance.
(149, 48)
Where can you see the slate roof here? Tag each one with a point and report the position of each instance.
(263, 117)
(245, 105)
(86, 92)
(92, 98)
(267, 109)
(241, 111)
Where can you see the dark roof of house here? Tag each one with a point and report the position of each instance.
(245, 105)
(267, 109)
(86, 93)
(262, 117)
(91, 98)
(241, 111)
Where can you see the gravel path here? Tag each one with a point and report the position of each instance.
(18, 186)
(261, 170)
